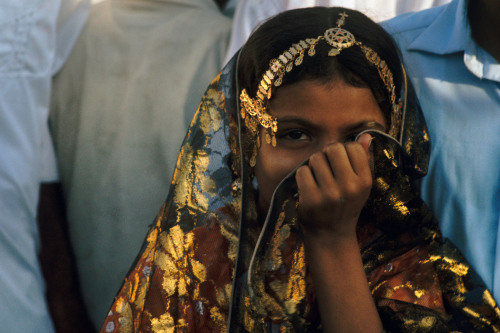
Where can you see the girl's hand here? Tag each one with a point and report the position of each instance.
(333, 189)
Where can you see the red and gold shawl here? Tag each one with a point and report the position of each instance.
(208, 265)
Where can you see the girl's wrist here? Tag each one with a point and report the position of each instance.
(343, 231)
(317, 240)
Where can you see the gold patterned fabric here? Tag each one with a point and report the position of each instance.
(208, 265)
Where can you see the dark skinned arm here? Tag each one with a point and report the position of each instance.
(58, 264)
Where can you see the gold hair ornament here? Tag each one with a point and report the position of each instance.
(339, 39)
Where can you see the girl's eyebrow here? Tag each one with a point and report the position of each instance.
(298, 121)
(367, 125)
(359, 126)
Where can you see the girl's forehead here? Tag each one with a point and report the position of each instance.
(325, 105)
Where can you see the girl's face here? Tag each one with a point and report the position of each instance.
(311, 115)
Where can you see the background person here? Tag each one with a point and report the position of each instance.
(453, 54)
(120, 109)
(251, 13)
(36, 37)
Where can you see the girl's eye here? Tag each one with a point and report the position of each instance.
(296, 135)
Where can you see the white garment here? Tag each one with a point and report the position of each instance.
(121, 108)
(36, 37)
(249, 13)
(230, 8)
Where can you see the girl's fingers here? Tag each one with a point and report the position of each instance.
(321, 171)
(359, 160)
(306, 182)
(339, 162)
(350, 167)
(365, 140)
(341, 170)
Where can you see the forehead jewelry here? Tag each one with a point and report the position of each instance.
(254, 110)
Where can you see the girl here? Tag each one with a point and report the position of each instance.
(293, 206)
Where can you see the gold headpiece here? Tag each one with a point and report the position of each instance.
(339, 39)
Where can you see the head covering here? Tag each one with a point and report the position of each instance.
(209, 265)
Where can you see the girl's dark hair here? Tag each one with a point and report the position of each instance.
(277, 34)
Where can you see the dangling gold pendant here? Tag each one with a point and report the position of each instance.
(236, 187)
(268, 138)
(333, 52)
(312, 51)
(278, 81)
(299, 59)
(253, 159)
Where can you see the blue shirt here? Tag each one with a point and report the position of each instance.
(458, 85)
